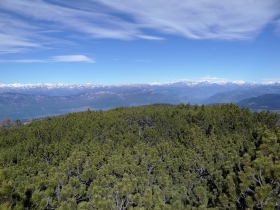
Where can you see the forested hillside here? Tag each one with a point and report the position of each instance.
(152, 157)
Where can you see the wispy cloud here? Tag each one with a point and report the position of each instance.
(150, 37)
(203, 19)
(15, 35)
(73, 58)
(23, 61)
(271, 80)
(63, 58)
(206, 78)
(21, 35)
(209, 78)
(24, 23)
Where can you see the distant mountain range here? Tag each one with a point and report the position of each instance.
(266, 101)
(195, 90)
(17, 105)
(31, 101)
(237, 95)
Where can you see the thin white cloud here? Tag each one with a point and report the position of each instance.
(15, 35)
(202, 19)
(73, 58)
(271, 80)
(30, 61)
(62, 58)
(209, 78)
(23, 61)
(206, 78)
(150, 37)
(27, 25)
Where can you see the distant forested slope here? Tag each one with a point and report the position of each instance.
(266, 101)
(234, 96)
(151, 157)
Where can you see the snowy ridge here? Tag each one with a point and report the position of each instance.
(48, 85)
(33, 100)
(90, 85)
(194, 83)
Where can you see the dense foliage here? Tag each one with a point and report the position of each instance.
(181, 157)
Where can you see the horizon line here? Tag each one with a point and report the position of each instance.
(149, 83)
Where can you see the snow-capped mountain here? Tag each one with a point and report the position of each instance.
(33, 100)
(70, 89)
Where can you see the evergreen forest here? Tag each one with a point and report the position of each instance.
(150, 157)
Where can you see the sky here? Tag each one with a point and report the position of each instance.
(141, 41)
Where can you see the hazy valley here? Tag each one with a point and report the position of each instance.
(33, 101)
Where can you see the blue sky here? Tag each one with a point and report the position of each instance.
(141, 41)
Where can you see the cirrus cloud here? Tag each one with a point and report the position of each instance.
(73, 58)
(24, 29)
(61, 58)
(202, 19)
